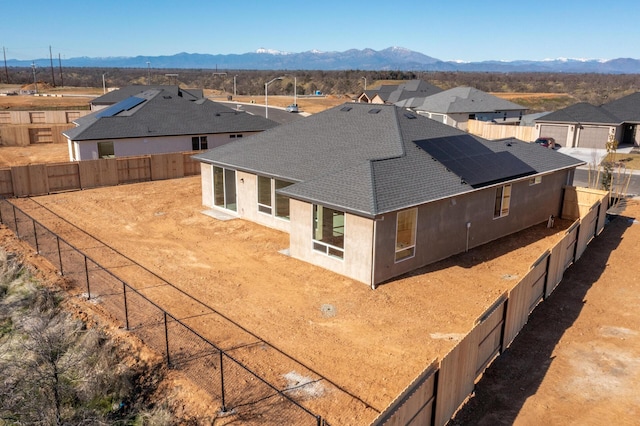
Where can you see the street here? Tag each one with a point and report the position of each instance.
(581, 178)
(279, 115)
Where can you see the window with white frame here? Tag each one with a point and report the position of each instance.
(535, 180)
(282, 201)
(264, 195)
(269, 200)
(503, 198)
(199, 142)
(328, 231)
(224, 188)
(406, 223)
(106, 150)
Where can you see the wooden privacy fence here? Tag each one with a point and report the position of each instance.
(435, 395)
(41, 179)
(494, 131)
(24, 135)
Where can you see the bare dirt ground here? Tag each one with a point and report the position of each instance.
(577, 361)
(33, 154)
(372, 344)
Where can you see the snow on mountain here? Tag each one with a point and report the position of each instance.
(271, 51)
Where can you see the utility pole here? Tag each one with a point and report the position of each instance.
(148, 73)
(35, 82)
(53, 79)
(6, 70)
(60, 65)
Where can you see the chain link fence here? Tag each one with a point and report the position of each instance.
(240, 391)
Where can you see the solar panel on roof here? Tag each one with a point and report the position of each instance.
(473, 162)
(123, 105)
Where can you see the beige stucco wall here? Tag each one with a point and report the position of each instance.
(357, 246)
(247, 190)
(206, 173)
(246, 198)
(442, 225)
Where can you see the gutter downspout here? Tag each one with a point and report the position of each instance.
(373, 254)
(468, 228)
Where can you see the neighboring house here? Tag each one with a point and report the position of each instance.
(627, 109)
(374, 191)
(392, 93)
(583, 125)
(578, 125)
(456, 106)
(158, 121)
(123, 93)
(367, 96)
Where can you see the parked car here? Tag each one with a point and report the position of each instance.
(547, 142)
(292, 108)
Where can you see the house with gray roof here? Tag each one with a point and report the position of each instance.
(455, 107)
(115, 96)
(584, 125)
(158, 121)
(375, 191)
(579, 125)
(392, 93)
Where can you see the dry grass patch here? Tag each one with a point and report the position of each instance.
(628, 161)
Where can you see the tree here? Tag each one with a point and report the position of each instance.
(54, 370)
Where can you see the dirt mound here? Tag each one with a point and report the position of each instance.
(41, 86)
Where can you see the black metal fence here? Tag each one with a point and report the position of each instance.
(241, 392)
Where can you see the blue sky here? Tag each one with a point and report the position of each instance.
(447, 30)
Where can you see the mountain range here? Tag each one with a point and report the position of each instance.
(392, 58)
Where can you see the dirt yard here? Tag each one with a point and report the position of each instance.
(236, 267)
(370, 343)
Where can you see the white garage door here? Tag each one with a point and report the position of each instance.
(593, 137)
(559, 133)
